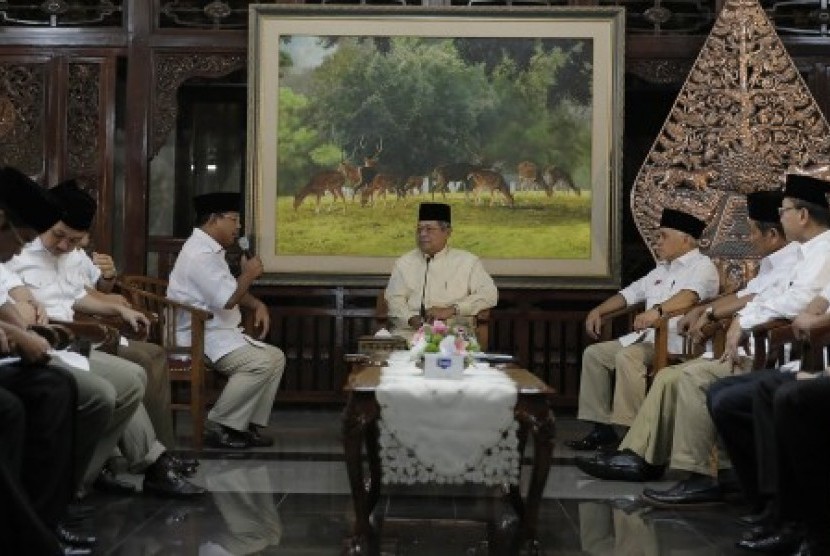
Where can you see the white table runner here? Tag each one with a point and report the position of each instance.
(447, 431)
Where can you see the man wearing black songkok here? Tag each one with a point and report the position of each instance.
(613, 381)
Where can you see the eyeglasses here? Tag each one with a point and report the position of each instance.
(782, 210)
(230, 216)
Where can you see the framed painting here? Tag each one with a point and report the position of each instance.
(512, 116)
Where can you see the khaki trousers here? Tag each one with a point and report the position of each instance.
(153, 359)
(128, 382)
(601, 402)
(254, 375)
(696, 446)
(673, 421)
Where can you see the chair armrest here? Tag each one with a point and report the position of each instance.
(768, 341)
(815, 346)
(99, 335)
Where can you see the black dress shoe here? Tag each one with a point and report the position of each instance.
(75, 538)
(108, 483)
(256, 440)
(786, 540)
(162, 479)
(227, 439)
(763, 517)
(693, 492)
(620, 466)
(71, 550)
(596, 439)
(185, 466)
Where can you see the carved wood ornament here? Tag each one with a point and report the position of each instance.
(742, 120)
(171, 71)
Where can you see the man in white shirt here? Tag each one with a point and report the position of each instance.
(739, 405)
(55, 288)
(435, 281)
(683, 277)
(201, 277)
(673, 421)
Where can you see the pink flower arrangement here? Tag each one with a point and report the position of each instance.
(440, 338)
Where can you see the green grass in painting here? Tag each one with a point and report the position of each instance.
(537, 227)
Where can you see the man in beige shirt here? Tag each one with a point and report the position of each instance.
(435, 281)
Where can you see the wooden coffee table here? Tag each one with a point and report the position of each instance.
(360, 427)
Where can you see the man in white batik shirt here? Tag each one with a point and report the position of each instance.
(613, 381)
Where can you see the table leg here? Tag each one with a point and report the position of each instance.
(359, 425)
(537, 417)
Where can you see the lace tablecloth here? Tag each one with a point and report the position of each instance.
(447, 431)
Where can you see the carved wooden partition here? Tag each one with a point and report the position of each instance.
(57, 121)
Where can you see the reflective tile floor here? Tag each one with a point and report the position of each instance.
(293, 499)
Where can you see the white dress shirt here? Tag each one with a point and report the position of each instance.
(693, 271)
(773, 269)
(453, 277)
(201, 277)
(56, 281)
(8, 280)
(790, 296)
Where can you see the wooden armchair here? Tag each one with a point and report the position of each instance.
(188, 364)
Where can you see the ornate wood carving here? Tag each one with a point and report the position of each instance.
(209, 15)
(63, 13)
(22, 88)
(83, 118)
(743, 119)
(659, 72)
(171, 70)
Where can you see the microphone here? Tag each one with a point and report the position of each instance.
(245, 245)
(424, 290)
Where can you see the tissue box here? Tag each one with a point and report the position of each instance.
(443, 366)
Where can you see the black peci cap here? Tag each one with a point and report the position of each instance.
(25, 202)
(435, 211)
(78, 206)
(762, 206)
(682, 221)
(807, 188)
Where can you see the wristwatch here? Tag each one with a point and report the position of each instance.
(710, 314)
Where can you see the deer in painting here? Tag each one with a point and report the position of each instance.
(446, 174)
(492, 181)
(327, 181)
(380, 186)
(557, 178)
(529, 178)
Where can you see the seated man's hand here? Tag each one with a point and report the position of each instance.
(593, 324)
(803, 322)
(253, 267)
(137, 320)
(262, 320)
(696, 331)
(31, 347)
(734, 336)
(105, 264)
(646, 319)
(687, 323)
(440, 313)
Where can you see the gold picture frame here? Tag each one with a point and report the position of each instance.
(420, 88)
